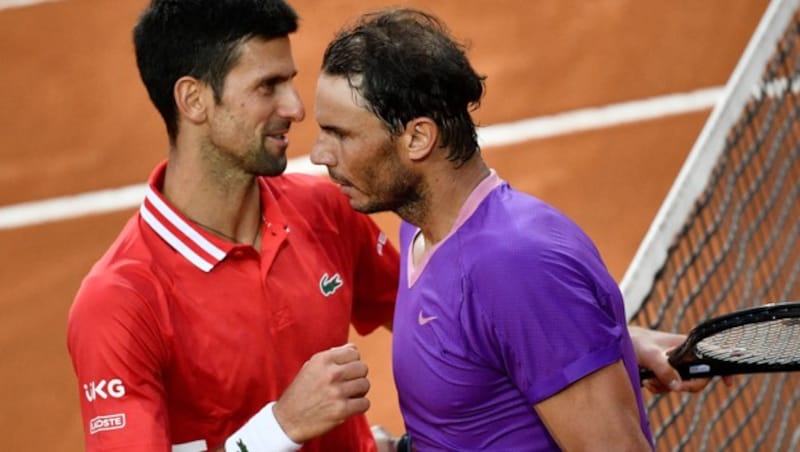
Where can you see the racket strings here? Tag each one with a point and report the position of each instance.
(773, 342)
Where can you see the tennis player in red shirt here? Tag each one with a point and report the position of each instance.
(219, 317)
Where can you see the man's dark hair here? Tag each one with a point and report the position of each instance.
(200, 38)
(405, 64)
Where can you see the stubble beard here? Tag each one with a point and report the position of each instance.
(256, 158)
(406, 196)
(263, 163)
(415, 207)
(405, 192)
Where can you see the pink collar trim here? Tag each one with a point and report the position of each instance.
(475, 198)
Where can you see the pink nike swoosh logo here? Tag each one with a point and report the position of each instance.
(423, 320)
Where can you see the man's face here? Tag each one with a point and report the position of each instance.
(259, 102)
(362, 156)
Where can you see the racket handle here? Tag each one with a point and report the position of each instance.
(686, 371)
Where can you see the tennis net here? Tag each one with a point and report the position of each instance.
(727, 238)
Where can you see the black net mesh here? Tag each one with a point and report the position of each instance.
(738, 248)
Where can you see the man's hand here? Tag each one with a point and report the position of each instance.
(651, 353)
(330, 388)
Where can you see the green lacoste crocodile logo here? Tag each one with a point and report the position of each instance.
(242, 447)
(330, 284)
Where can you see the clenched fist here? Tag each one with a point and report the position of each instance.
(330, 387)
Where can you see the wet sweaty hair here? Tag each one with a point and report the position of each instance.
(405, 64)
(200, 38)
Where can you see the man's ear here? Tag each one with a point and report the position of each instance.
(421, 137)
(190, 100)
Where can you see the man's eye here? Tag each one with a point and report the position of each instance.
(268, 87)
(334, 133)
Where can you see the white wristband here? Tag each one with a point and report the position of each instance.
(261, 433)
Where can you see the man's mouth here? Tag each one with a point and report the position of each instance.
(342, 182)
(279, 137)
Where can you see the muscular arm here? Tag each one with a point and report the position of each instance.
(598, 412)
(117, 354)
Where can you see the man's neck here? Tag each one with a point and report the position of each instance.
(449, 189)
(225, 204)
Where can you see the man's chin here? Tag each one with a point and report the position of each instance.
(359, 208)
(272, 168)
(366, 207)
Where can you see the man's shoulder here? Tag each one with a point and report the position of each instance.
(119, 278)
(126, 271)
(514, 230)
(307, 193)
(521, 220)
(298, 184)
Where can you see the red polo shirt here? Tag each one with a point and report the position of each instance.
(178, 337)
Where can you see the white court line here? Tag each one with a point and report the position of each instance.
(7, 4)
(104, 201)
(598, 118)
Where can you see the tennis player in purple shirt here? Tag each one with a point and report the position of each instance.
(510, 308)
(509, 333)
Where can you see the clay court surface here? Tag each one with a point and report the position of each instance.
(74, 118)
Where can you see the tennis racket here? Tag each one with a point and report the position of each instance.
(761, 339)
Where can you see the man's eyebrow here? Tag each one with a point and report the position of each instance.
(277, 78)
(334, 129)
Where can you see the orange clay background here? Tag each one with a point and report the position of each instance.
(75, 118)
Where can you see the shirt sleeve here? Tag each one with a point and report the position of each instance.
(117, 353)
(543, 319)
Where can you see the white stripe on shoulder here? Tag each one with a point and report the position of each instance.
(192, 446)
(190, 232)
(187, 252)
